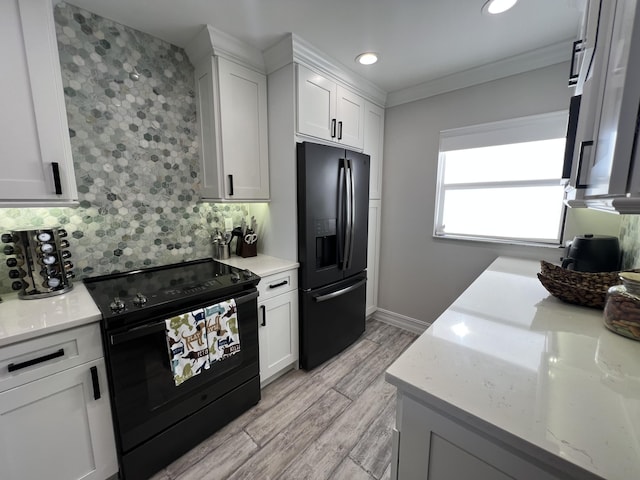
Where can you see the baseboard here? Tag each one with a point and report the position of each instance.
(401, 321)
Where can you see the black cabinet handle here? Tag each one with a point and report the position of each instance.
(276, 285)
(580, 158)
(333, 128)
(264, 315)
(573, 75)
(56, 177)
(96, 383)
(339, 130)
(12, 367)
(230, 185)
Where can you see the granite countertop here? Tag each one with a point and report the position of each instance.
(262, 265)
(25, 319)
(509, 358)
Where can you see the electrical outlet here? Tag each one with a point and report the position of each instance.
(228, 224)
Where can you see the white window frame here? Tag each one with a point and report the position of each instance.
(516, 130)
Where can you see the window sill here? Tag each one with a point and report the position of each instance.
(498, 241)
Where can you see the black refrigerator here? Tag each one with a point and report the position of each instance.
(333, 217)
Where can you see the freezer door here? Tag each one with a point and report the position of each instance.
(331, 319)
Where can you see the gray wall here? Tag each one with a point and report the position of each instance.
(421, 276)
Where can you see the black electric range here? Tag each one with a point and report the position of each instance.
(156, 418)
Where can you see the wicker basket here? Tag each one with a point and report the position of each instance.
(573, 293)
(585, 280)
(580, 288)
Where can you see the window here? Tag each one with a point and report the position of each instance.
(500, 181)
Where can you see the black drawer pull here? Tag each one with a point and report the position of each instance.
(264, 315)
(340, 130)
(12, 367)
(276, 285)
(230, 185)
(96, 383)
(333, 128)
(56, 178)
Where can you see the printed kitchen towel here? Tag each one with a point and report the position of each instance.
(223, 337)
(187, 343)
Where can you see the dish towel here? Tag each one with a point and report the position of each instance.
(223, 337)
(187, 342)
(197, 339)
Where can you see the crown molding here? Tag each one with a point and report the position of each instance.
(211, 41)
(543, 57)
(292, 48)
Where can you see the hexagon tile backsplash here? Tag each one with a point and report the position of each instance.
(131, 111)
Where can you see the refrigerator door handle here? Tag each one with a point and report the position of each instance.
(338, 293)
(349, 216)
(341, 226)
(352, 222)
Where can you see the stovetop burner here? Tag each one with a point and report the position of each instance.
(128, 294)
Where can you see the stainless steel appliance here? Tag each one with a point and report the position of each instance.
(156, 421)
(39, 262)
(333, 205)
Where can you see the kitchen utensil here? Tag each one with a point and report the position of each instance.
(593, 253)
(250, 238)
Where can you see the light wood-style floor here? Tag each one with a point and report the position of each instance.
(331, 423)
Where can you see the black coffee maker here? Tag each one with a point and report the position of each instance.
(592, 253)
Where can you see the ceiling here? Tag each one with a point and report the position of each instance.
(418, 40)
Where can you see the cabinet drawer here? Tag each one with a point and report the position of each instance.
(277, 283)
(30, 360)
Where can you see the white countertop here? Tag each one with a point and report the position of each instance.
(262, 265)
(506, 354)
(24, 319)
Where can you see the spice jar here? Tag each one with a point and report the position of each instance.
(622, 306)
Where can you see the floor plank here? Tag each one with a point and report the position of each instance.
(348, 470)
(373, 450)
(323, 455)
(279, 452)
(223, 461)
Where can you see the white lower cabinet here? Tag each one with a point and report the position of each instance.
(430, 445)
(56, 426)
(278, 327)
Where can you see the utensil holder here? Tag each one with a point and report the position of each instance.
(39, 262)
(248, 249)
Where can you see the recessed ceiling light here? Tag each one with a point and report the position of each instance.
(493, 7)
(368, 58)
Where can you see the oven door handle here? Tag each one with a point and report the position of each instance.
(137, 332)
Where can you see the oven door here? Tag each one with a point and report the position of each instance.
(146, 400)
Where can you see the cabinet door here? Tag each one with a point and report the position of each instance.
(243, 124)
(35, 151)
(316, 105)
(618, 118)
(53, 428)
(373, 256)
(373, 146)
(278, 334)
(350, 114)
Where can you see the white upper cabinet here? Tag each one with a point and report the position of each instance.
(329, 111)
(35, 156)
(232, 116)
